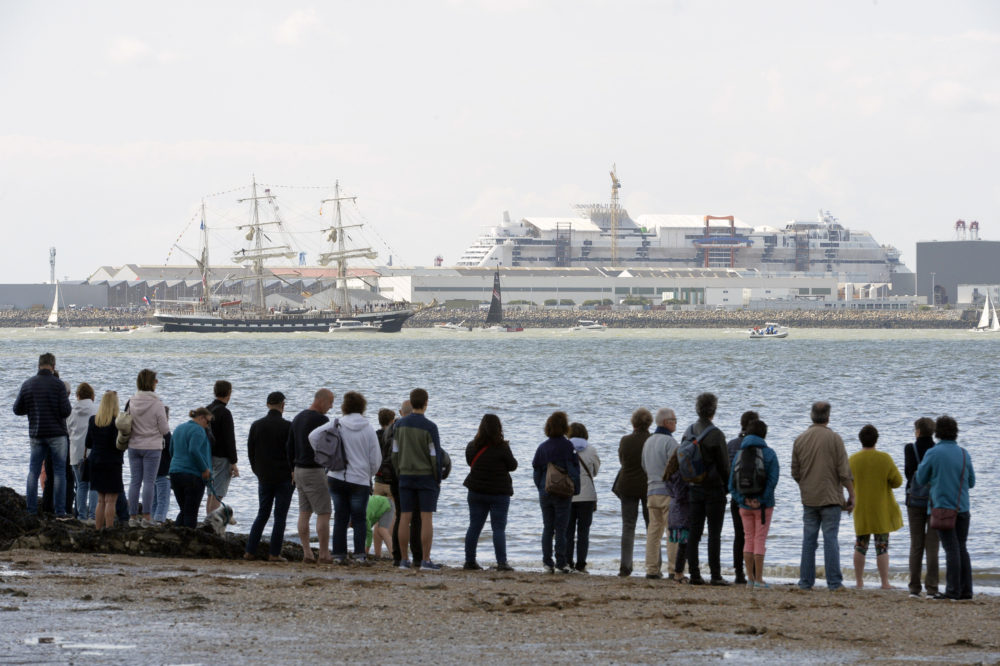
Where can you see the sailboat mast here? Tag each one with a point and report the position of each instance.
(203, 261)
(258, 262)
(341, 251)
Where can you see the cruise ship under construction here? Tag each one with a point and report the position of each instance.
(606, 235)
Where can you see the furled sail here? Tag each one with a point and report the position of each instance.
(495, 315)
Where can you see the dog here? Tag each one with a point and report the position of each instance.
(220, 519)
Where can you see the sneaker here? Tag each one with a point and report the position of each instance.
(64, 518)
(404, 564)
(146, 523)
(915, 595)
(719, 582)
(133, 522)
(582, 569)
(740, 580)
(761, 586)
(624, 572)
(430, 566)
(678, 578)
(654, 576)
(549, 568)
(696, 580)
(564, 569)
(472, 566)
(503, 566)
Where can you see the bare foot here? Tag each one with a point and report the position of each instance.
(886, 586)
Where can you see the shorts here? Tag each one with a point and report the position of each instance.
(418, 491)
(881, 544)
(314, 496)
(387, 519)
(222, 472)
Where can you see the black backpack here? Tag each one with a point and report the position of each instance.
(750, 472)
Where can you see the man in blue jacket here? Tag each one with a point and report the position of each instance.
(43, 399)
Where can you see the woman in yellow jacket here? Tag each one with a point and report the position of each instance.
(876, 511)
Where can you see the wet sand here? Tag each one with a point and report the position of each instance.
(93, 608)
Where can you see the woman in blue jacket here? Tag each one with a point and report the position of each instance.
(947, 468)
(756, 509)
(190, 465)
(558, 450)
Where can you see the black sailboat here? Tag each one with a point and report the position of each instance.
(495, 315)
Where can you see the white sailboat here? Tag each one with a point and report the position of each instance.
(988, 320)
(52, 323)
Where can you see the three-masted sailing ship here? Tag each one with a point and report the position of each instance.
(211, 315)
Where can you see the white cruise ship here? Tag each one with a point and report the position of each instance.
(684, 241)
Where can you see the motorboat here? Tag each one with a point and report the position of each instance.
(768, 331)
(588, 325)
(451, 326)
(352, 326)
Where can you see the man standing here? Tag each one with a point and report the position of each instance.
(707, 497)
(418, 459)
(269, 461)
(820, 467)
(223, 445)
(309, 477)
(733, 449)
(656, 451)
(43, 399)
(416, 548)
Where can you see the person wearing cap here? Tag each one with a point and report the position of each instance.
(269, 461)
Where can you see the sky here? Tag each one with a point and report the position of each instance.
(118, 118)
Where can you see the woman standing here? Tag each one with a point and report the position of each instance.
(584, 505)
(875, 510)
(756, 510)
(350, 488)
(149, 425)
(105, 460)
(558, 451)
(948, 469)
(923, 539)
(190, 465)
(77, 424)
(631, 484)
(490, 489)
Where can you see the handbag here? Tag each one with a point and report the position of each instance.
(616, 487)
(558, 481)
(944, 519)
(124, 425)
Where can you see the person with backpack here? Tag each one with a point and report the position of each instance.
(733, 449)
(703, 462)
(584, 503)
(752, 483)
(876, 513)
(923, 538)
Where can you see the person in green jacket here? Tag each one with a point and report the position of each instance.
(379, 517)
(876, 511)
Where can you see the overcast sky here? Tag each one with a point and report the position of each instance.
(118, 117)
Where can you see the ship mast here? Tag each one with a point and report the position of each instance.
(342, 254)
(259, 253)
(615, 186)
(203, 261)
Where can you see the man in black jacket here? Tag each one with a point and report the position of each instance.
(223, 444)
(43, 399)
(707, 498)
(269, 461)
(310, 477)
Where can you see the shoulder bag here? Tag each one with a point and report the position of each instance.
(558, 481)
(944, 519)
(124, 425)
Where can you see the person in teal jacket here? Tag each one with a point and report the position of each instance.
(755, 510)
(947, 467)
(190, 465)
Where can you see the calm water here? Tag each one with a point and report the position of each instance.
(887, 378)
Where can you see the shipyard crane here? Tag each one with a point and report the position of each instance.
(615, 186)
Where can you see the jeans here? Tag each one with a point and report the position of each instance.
(734, 511)
(581, 515)
(923, 540)
(555, 518)
(481, 505)
(278, 495)
(659, 508)
(350, 503)
(82, 493)
(188, 489)
(813, 519)
(958, 567)
(143, 465)
(161, 498)
(630, 515)
(58, 447)
(706, 506)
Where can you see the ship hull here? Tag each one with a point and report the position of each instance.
(387, 322)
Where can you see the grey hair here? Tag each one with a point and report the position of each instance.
(664, 413)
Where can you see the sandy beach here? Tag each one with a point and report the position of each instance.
(94, 608)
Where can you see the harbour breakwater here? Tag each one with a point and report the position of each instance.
(77, 317)
(900, 319)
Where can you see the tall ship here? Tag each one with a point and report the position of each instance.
(602, 235)
(219, 311)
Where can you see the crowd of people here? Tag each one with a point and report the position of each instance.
(383, 485)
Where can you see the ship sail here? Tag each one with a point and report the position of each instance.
(995, 326)
(984, 318)
(495, 315)
(54, 314)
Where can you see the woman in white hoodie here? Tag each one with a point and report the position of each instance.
(585, 503)
(149, 425)
(350, 488)
(76, 424)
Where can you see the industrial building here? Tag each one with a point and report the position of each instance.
(944, 265)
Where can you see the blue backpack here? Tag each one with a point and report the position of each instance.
(690, 462)
(919, 494)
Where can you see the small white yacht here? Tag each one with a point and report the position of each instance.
(588, 325)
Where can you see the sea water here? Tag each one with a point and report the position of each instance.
(884, 377)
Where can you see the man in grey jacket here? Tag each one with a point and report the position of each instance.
(655, 453)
